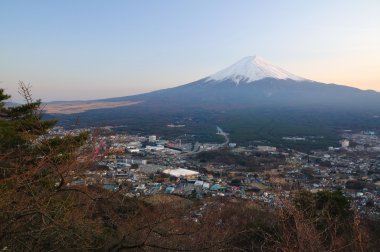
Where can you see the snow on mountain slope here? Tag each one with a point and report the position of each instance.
(250, 69)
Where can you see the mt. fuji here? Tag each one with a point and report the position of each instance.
(250, 69)
(252, 82)
(247, 99)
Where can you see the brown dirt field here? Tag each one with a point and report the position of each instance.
(71, 108)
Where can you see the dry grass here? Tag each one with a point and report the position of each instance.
(159, 199)
(72, 108)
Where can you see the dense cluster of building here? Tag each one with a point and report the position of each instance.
(140, 165)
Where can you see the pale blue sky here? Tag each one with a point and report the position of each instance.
(93, 49)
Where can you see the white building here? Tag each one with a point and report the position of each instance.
(136, 161)
(152, 139)
(345, 144)
(232, 145)
(155, 148)
(180, 172)
(134, 145)
(133, 150)
(266, 148)
(198, 183)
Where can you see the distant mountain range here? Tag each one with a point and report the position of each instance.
(251, 84)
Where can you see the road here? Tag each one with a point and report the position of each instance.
(224, 134)
(197, 145)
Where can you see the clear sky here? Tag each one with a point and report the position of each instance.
(87, 49)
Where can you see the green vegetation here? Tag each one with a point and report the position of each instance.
(21, 135)
(20, 125)
(321, 127)
(251, 162)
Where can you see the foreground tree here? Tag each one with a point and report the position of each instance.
(33, 170)
(21, 126)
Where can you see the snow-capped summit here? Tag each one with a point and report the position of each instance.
(250, 69)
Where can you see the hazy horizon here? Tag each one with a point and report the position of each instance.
(91, 49)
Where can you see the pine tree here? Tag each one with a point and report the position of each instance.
(7, 132)
(23, 123)
(21, 134)
(34, 169)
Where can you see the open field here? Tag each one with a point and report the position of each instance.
(72, 108)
